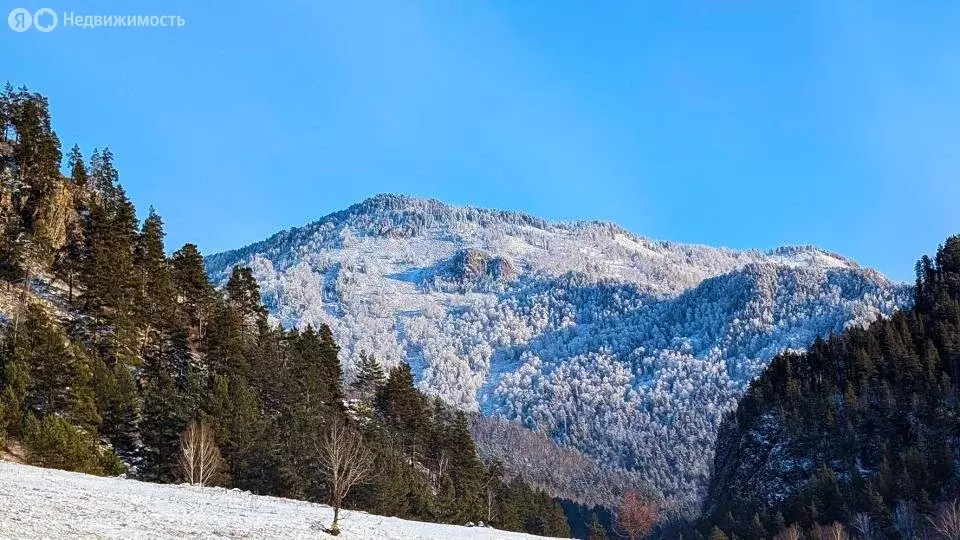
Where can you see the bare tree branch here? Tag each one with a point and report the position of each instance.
(345, 461)
(200, 461)
(946, 524)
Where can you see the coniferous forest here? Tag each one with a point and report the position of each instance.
(856, 436)
(112, 349)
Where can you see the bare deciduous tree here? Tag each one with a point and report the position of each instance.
(637, 515)
(946, 524)
(833, 531)
(346, 462)
(494, 475)
(863, 524)
(790, 533)
(200, 461)
(443, 464)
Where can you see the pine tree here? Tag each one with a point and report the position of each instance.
(78, 169)
(103, 177)
(168, 404)
(119, 404)
(227, 344)
(156, 301)
(165, 349)
(111, 281)
(241, 431)
(318, 370)
(466, 470)
(369, 376)
(403, 408)
(54, 442)
(69, 261)
(193, 287)
(243, 293)
(330, 365)
(165, 416)
(36, 163)
(58, 378)
(16, 381)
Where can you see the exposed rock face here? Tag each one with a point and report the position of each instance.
(474, 265)
(56, 216)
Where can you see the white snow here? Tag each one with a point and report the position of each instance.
(48, 503)
(625, 348)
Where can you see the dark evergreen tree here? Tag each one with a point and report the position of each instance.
(110, 281)
(241, 431)
(193, 288)
(117, 400)
(58, 378)
(243, 294)
(156, 302)
(369, 376)
(78, 168)
(34, 161)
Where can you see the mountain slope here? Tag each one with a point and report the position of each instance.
(626, 348)
(863, 424)
(47, 503)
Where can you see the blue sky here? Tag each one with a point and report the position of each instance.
(743, 124)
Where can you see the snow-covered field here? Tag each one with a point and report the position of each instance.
(47, 503)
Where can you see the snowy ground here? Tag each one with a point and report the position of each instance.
(47, 503)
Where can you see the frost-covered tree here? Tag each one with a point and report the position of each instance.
(617, 345)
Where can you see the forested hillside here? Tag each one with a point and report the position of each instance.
(858, 434)
(110, 349)
(623, 348)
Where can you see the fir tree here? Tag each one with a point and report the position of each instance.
(369, 376)
(117, 400)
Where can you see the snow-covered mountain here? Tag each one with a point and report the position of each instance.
(625, 348)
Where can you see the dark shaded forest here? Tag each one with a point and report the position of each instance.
(859, 433)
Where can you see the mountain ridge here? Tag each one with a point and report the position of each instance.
(557, 324)
(398, 201)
